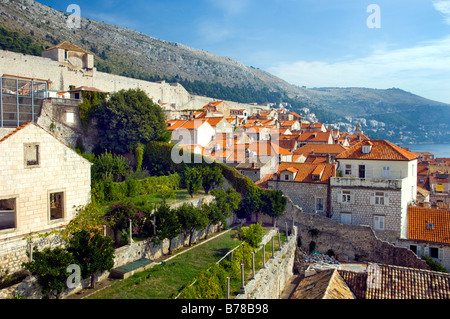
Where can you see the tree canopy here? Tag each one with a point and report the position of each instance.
(127, 119)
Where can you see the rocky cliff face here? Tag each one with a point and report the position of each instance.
(130, 53)
(123, 49)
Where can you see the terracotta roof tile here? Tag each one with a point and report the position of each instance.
(381, 150)
(395, 282)
(429, 224)
(305, 171)
(69, 47)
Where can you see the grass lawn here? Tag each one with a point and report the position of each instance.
(165, 280)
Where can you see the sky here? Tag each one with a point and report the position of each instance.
(314, 43)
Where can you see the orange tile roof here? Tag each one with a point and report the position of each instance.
(381, 150)
(173, 125)
(213, 121)
(314, 136)
(193, 124)
(420, 220)
(321, 149)
(305, 171)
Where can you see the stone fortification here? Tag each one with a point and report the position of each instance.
(62, 75)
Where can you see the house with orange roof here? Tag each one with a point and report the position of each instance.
(217, 108)
(197, 131)
(313, 127)
(220, 124)
(376, 182)
(270, 148)
(429, 233)
(293, 125)
(42, 183)
(258, 133)
(439, 187)
(314, 138)
(321, 150)
(307, 185)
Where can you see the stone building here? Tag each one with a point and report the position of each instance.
(42, 182)
(307, 185)
(70, 54)
(377, 181)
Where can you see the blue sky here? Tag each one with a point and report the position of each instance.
(314, 43)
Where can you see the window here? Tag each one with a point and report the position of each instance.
(346, 218)
(386, 171)
(348, 169)
(413, 248)
(378, 222)
(319, 204)
(366, 149)
(7, 213)
(379, 198)
(362, 171)
(56, 203)
(286, 177)
(346, 196)
(70, 117)
(31, 154)
(434, 252)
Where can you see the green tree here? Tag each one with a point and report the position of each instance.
(191, 219)
(92, 251)
(211, 177)
(167, 224)
(128, 118)
(192, 180)
(273, 202)
(50, 268)
(251, 234)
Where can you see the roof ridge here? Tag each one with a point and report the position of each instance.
(14, 131)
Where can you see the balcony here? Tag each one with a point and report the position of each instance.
(366, 182)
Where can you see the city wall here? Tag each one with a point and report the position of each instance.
(347, 242)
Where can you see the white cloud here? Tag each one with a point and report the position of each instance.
(423, 70)
(443, 6)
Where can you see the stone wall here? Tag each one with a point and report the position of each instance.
(363, 211)
(348, 242)
(270, 282)
(60, 170)
(123, 255)
(304, 194)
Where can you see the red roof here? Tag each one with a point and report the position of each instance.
(429, 224)
(381, 150)
(306, 171)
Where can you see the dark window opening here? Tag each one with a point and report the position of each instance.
(7, 213)
(56, 205)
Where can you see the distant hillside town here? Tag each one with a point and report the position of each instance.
(341, 177)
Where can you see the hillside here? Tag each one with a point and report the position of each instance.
(133, 54)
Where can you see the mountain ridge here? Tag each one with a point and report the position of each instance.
(131, 53)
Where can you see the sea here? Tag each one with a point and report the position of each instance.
(439, 150)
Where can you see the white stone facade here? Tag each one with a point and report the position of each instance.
(42, 181)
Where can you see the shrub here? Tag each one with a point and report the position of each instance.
(110, 166)
(50, 268)
(251, 234)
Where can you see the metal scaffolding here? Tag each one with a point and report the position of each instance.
(20, 100)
